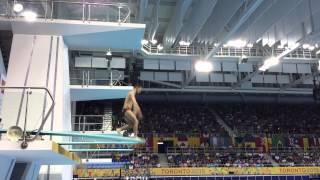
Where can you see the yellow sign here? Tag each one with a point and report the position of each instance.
(88, 173)
(205, 171)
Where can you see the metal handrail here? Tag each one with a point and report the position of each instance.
(224, 51)
(84, 125)
(113, 77)
(86, 12)
(46, 114)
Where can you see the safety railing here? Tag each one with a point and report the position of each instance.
(26, 106)
(225, 51)
(81, 10)
(175, 150)
(89, 77)
(89, 122)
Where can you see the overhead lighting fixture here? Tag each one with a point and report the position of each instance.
(237, 43)
(154, 41)
(316, 45)
(305, 46)
(203, 66)
(109, 53)
(17, 7)
(280, 46)
(311, 48)
(318, 52)
(269, 63)
(160, 47)
(144, 42)
(184, 43)
(249, 45)
(216, 44)
(29, 16)
(160, 143)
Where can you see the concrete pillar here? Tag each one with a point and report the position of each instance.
(39, 60)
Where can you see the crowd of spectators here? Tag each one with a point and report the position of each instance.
(219, 159)
(271, 118)
(178, 119)
(138, 159)
(294, 158)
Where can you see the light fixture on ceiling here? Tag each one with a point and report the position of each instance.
(154, 41)
(316, 45)
(280, 46)
(203, 66)
(109, 53)
(159, 47)
(184, 43)
(311, 48)
(249, 45)
(236, 43)
(269, 63)
(305, 46)
(144, 42)
(30, 16)
(216, 44)
(17, 7)
(160, 143)
(318, 52)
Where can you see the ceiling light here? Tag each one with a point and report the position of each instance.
(280, 46)
(109, 53)
(184, 43)
(258, 40)
(269, 62)
(144, 42)
(30, 16)
(216, 44)
(305, 46)
(318, 52)
(249, 45)
(237, 43)
(272, 61)
(311, 48)
(203, 66)
(160, 47)
(262, 68)
(316, 45)
(17, 7)
(154, 41)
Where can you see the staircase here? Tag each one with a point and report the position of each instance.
(163, 160)
(223, 124)
(273, 162)
(107, 118)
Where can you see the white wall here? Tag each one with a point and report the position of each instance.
(6, 166)
(3, 75)
(56, 78)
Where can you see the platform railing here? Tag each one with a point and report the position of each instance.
(225, 51)
(23, 100)
(88, 122)
(87, 77)
(49, 10)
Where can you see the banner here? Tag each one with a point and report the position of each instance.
(205, 171)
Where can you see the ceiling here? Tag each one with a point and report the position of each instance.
(206, 22)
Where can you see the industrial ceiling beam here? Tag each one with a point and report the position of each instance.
(153, 26)
(176, 23)
(242, 20)
(306, 38)
(143, 5)
(201, 11)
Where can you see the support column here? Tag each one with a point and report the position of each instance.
(39, 60)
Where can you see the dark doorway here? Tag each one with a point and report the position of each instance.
(163, 145)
